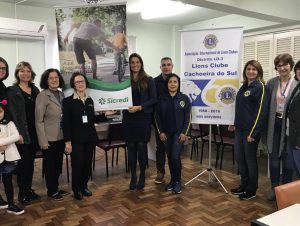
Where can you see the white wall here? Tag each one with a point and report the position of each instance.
(41, 54)
(153, 41)
(230, 21)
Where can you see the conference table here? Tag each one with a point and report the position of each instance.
(288, 216)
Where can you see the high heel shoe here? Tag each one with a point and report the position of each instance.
(141, 183)
(132, 185)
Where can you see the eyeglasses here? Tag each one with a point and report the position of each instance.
(53, 78)
(2, 68)
(79, 82)
(281, 65)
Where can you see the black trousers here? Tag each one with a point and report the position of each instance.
(81, 161)
(25, 167)
(8, 187)
(245, 155)
(137, 151)
(52, 164)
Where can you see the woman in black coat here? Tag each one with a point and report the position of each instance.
(80, 133)
(137, 119)
(21, 104)
(293, 123)
(4, 72)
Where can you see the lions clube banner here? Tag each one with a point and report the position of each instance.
(210, 64)
(92, 40)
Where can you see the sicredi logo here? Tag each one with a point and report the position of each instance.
(110, 100)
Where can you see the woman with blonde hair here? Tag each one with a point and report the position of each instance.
(21, 105)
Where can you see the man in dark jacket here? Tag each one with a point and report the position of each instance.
(166, 66)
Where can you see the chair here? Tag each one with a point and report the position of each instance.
(39, 154)
(227, 139)
(67, 167)
(194, 134)
(287, 194)
(114, 140)
(204, 134)
(215, 138)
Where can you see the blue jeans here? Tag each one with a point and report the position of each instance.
(275, 159)
(295, 153)
(245, 155)
(173, 148)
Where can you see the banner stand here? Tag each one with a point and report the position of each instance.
(209, 170)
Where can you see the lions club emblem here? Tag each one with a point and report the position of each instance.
(182, 104)
(247, 93)
(210, 41)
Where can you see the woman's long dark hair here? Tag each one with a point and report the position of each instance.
(260, 72)
(142, 80)
(7, 68)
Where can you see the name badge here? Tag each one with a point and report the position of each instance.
(84, 119)
(280, 107)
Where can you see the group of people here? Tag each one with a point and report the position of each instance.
(269, 112)
(35, 120)
(31, 120)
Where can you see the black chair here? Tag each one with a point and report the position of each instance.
(227, 139)
(113, 141)
(194, 134)
(67, 166)
(39, 154)
(204, 134)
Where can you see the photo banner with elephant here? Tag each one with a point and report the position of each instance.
(211, 72)
(92, 40)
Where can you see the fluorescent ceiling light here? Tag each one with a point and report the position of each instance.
(151, 9)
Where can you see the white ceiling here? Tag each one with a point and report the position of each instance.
(276, 11)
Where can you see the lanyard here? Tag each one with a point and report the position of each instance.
(283, 92)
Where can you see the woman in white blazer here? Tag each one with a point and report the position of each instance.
(48, 116)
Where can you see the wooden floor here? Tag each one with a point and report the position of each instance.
(113, 204)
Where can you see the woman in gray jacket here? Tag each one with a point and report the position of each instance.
(48, 116)
(280, 89)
